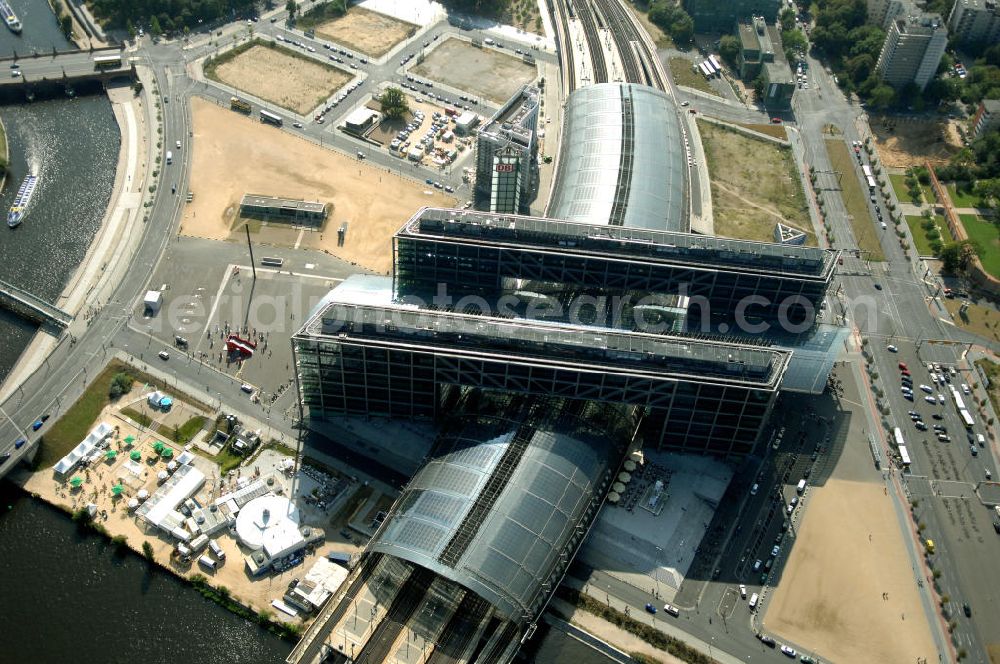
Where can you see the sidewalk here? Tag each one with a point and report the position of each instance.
(608, 632)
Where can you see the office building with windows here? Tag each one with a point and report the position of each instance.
(507, 156)
(975, 22)
(912, 49)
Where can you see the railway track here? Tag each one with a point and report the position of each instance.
(557, 9)
(638, 62)
(589, 23)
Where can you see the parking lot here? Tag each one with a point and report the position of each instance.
(426, 135)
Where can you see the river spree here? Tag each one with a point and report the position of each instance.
(67, 597)
(72, 145)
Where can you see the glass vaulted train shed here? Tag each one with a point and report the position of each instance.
(621, 160)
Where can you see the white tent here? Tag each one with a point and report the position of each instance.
(88, 445)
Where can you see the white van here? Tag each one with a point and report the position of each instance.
(800, 488)
(216, 550)
(981, 439)
(754, 489)
(207, 562)
(488, 41)
(753, 601)
(170, 157)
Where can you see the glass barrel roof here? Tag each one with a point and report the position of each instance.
(621, 161)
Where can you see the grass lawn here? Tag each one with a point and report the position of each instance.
(929, 196)
(754, 186)
(778, 131)
(189, 429)
(227, 459)
(919, 234)
(67, 432)
(899, 186)
(962, 199)
(855, 200)
(978, 319)
(680, 69)
(987, 234)
(992, 371)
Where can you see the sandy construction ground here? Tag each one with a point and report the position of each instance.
(366, 31)
(282, 77)
(234, 155)
(830, 600)
(485, 72)
(902, 143)
(100, 476)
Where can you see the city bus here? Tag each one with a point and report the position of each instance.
(113, 61)
(706, 72)
(867, 170)
(271, 118)
(966, 418)
(715, 63)
(898, 435)
(711, 67)
(871, 183)
(904, 455)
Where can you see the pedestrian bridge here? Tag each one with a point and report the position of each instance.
(31, 307)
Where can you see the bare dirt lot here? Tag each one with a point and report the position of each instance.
(830, 599)
(234, 155)
(366, 31)
(755, 185)
(903, 142)
(485, 72)
(282, 77)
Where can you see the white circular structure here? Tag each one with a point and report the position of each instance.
(143, 494)
(267, 520)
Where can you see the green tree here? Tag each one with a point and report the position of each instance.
(729, 49)
(147, 550)
(291, 7)
(393, 103)
(956, 255)
(758, 87)
(154, 27)
(66, 25)
(787, 19)
(882, 96)
(673, 20)
(121, 383)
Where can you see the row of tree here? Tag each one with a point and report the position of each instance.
(668, 16)
(168, 15)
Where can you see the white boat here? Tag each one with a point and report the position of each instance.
(27, 189)
(9, 17)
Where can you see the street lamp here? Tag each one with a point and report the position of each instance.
(656, 571)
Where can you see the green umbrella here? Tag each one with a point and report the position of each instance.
(167, 452)
(117, 489)
(129, 440)
(110, 454)
(76, 481)
(136, 455)
(158, 447)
